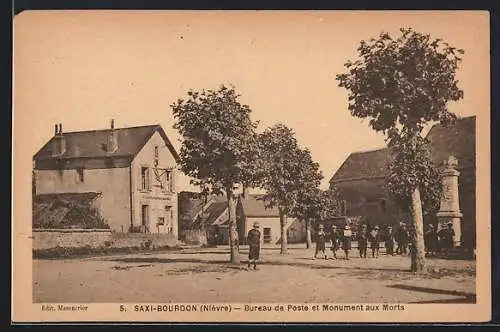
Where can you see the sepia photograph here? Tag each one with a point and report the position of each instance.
(252, 166)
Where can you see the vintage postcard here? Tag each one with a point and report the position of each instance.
(251, 166)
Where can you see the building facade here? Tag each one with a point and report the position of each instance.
(360, 181)
(133, 169)
(251, 208)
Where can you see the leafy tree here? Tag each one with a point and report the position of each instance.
(309, 196)
(330, 206)
(403, 84)
(281, 173)
(219, 148)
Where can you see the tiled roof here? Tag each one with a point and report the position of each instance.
(190, 204)
(92, 143)
(214, 211)
(364, 164)
(253, 206)
(458, 140)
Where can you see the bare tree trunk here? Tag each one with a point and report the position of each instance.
(284, 240)
(308, 233)
(233, 234)
(418, 247)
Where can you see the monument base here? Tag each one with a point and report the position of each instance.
(455, 218)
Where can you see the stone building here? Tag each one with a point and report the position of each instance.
(360, 179)
(132, 169)
(251, 208)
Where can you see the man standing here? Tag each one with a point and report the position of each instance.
(389, 241)
(402, 238)
(431, 240)
(253, 239)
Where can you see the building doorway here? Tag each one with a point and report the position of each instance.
(145, 218)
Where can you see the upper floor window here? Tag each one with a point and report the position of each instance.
(80, 175)
(145, 178)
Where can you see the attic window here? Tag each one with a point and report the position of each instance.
(157, 153)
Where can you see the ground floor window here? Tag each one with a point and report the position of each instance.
(267, 235)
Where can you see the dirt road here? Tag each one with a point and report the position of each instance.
(203, 275)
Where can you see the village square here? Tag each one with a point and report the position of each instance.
(268, 212)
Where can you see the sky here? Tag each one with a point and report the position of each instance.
(83, 69)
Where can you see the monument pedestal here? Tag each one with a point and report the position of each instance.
(449, 211)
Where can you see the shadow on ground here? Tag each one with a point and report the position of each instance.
(463, 297)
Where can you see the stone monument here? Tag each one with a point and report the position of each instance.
(449, 210)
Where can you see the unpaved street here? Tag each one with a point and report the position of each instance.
(203, 275)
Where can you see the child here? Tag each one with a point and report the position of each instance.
(320, 242)
(346, 240)
(375, 241)
(335, 241)
(253, 239)
(363, 241)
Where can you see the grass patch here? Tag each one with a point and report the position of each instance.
(86, 251)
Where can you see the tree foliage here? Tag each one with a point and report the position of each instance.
(220, 146)
(401, 85)
(281, 168)
(411, 168)
(289, 176)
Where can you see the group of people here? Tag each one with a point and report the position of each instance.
(438, 241)
(338, 240)
(397, 242)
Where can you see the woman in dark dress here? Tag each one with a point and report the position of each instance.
(320, 242)
(346, 240)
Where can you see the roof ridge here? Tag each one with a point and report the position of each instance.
(368, 151)
(108, 129)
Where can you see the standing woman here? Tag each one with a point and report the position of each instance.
(320, 242)
(346, 240)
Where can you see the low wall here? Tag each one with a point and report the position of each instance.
(194, 236)
(95, 238)
(71, 238)
(128, 240)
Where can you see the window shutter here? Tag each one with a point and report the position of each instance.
(149, 179)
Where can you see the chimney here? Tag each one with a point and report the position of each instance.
(112, 138)
(59, 142)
